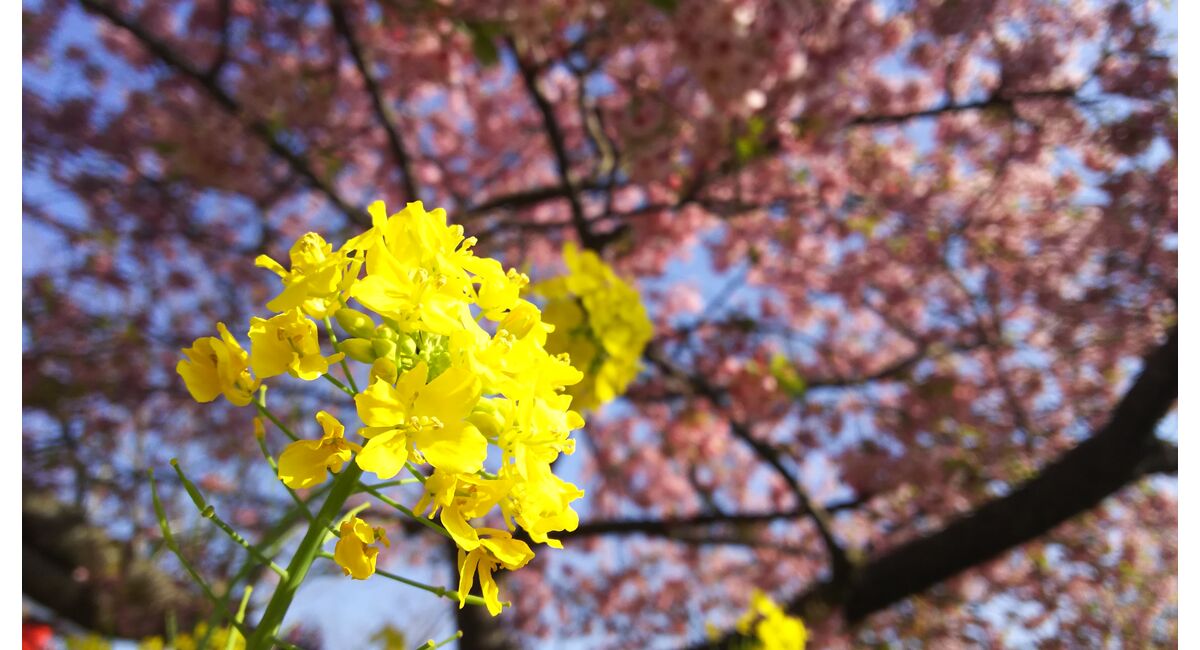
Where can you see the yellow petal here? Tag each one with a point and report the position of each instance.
(491, 591)
(303, 463)
(457, 448)
(385, 454)
(512, 553)
(452, 396)
(462, 532)
(467, 562)
(381, 405)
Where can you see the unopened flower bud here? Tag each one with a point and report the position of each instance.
(359, 350)
(384, 349)
(486, 418)
(408, 346)
(385, 369)
(385, 332)
(355, 322)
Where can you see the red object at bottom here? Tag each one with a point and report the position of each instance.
(36, 635)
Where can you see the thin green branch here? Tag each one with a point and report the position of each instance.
(169, 540)
(208, 512)
(415, 471)
(261, 405)
(388, 484)
(431, 645)
(337, 347)
(231, 640)
(343, 387)
(273, 541)
(441, 592)
(428, 523)
(343, 486)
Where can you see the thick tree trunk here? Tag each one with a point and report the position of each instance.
(83, 575)
(1117, 455)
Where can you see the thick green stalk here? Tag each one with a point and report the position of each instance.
(343, 486)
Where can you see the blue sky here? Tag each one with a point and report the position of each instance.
(350, 611)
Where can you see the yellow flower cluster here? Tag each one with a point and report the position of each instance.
(600, 322)
(184, 641)
(90, 641)
(220, 638)
(772, 627)
(458, 364)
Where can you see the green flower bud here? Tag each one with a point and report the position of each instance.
(408, 346)
(386, 370)
(355, 322)
(486, 417)
(359, 350)
(385, 332)
(384, 348)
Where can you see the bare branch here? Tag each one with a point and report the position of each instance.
(841, 565)
(674, 527)
(1002, 102)
(558, 145)
(214, 70)
(382, 111)
(1117, 455)
(259, 128)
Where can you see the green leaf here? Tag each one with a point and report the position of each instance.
(483, 42)
(750, 145)
(785, 373)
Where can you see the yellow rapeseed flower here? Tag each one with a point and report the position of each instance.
(304, 462)
(287, 343)
(354, 551)
(316, 278)
(426, 420)
(461, 497)
(773, 628)
(215, 367)
(457, 361)
(497, 550)
(599, 320)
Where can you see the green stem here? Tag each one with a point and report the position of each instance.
(344, 388)
(272, 541)
(417, 473)
(208, 512)
(169, 540)
(262, 409)
(337, 348)
(430, 645)
(232, 638)
(428, 523)
(343, 486)
(442, 592)
(388, 484)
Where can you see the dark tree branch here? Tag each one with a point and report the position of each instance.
(259, 128)
(1004, 102)
(673, 527)
(1119, 454)
(530, 197)
(558, 145)
(840, 563)
(383, 112)
(214, 70)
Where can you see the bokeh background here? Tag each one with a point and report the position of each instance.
(912, 266)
